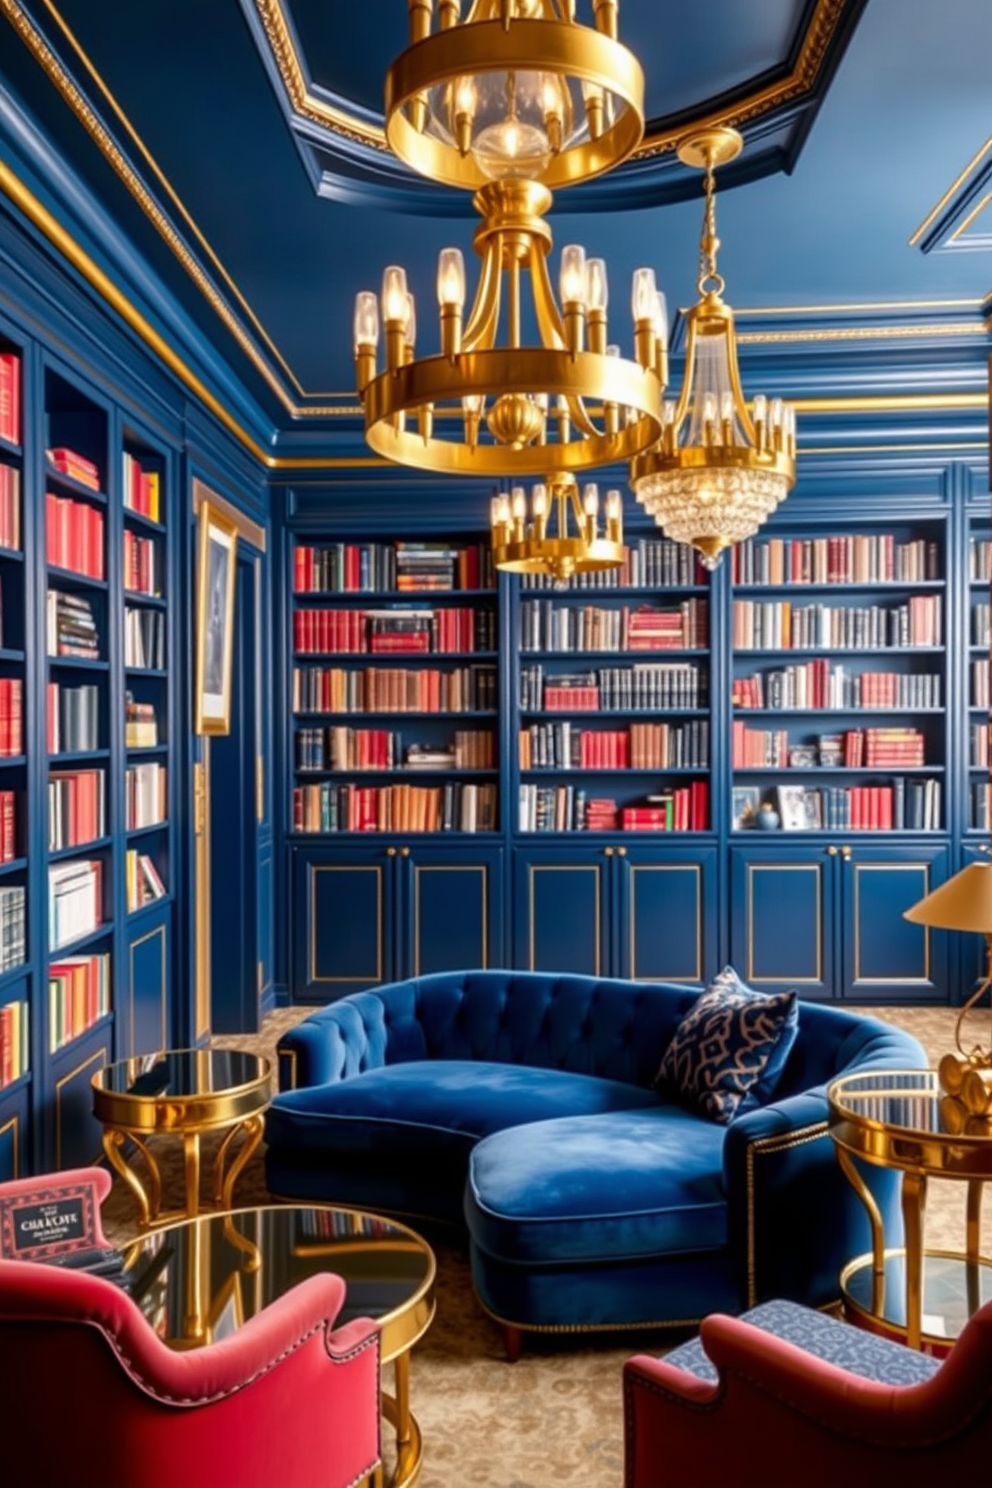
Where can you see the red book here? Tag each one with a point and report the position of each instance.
(10, 396)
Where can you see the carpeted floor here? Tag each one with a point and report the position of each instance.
(554, 1417)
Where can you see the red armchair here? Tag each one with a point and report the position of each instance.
(92, 1397)
(748, 1406)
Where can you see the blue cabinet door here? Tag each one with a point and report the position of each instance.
(14, 1132)
(665, 920)
(343, 918)
(562, 908)
(72, 1134)
(143, 1002)
(783, 930)
(886, 958)
(452, 908)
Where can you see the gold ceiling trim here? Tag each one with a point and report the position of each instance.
(861, 307)
(976, 211)
(856, 333)
(816, 41)
(951, 192)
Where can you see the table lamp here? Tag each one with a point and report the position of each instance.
(964, 902)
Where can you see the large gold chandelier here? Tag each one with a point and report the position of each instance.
(513, 99)
(721, 467)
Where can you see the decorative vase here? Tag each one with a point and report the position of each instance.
(767, 818)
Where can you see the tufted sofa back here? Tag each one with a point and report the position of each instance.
(613, 1028)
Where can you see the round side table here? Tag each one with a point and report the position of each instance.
(186, 1092)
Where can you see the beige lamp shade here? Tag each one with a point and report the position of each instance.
(964, 902)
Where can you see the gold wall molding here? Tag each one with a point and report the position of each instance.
(251, 531)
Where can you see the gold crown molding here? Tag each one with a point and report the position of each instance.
(948, 446)
(896, 403)
(819, 33)
(856, 333)
(859, 307)
(976, 211)
(951, 192)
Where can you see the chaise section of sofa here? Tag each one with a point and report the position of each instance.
(523, 1104)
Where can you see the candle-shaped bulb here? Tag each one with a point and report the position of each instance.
(644, 296)
(708, 408)
(572, 279)
(451, 277)
(668, 412)
(775, 412)
(661, 319)
(726, 406)
(597, 289)
(395, 295)
(590, 499)
(366, 319)
(759, 408)
(466, 97)
(518, 503)
(410, 329)
(539, 500)
(614, 506)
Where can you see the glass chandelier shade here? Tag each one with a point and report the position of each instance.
(559, 535)
(514, 98)
(722, 466)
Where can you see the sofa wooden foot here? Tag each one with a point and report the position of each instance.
(513, 1342)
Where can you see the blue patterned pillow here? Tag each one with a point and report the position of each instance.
(730, 1048)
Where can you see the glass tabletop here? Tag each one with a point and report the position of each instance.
(200, 1280)
(909, 1100)
(182, 1073)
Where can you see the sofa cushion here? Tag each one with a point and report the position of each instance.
(729, 1050)
(449, 1103)
(606, 1188)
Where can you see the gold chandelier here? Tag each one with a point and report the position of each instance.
(513, 99)
(721, 467)
(561, 537)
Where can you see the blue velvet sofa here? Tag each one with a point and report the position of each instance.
(523, 1103)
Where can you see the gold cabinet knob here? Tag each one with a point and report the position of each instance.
(608, 851)
(390, 852)
(621, 852)
(404, 852)
(831, 851)
(845, 853)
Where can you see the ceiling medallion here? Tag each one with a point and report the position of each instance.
(721, 467)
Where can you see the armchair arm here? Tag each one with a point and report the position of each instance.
(794, 1218)
(335, 1043)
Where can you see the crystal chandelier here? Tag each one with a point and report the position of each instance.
(721, 467)
(513, 99)
(562, 537)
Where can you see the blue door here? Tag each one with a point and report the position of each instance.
(782, 930)
(452, 908)
(665, 924)
(343, 921)
(885, 957)
(562, 908)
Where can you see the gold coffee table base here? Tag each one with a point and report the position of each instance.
(147, 1186)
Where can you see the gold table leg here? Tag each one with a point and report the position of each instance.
(409, 1444)
(974, 1244)
(914, 1198)
(864, 1193)
(223, 1188)
(191, 1155)
(150, 1198)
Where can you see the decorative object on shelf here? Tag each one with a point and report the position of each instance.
(721, 467)
(218, 545)
(547, 544)
(512, 99)
(964, 902)
(767, 818)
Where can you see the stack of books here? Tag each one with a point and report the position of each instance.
(143, 882)
(70, 626)
(78, 996)
(140, 724)
(141, 488)
(75, 900)
(70, 462)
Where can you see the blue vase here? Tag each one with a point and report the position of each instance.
(767, 818)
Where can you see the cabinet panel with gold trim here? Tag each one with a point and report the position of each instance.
(666, 913)
(783, 922)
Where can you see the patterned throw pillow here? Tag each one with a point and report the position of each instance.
(729, 1049)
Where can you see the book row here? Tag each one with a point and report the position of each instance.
(643, 746)
(981, 797)
(644, 687)
(141, 487)
(824, 684)
(980, 624)
(70, 462)
(72, 718)
(15, 1057)
(343, 748)
(13, 927)
(355, 568)
(468, 689)
(980, 694)
(11, 717)
(398, 631)
(74, 536)
(70, 627)
(144, 638)
(568, 808)
(900, 805)
(8, 826)
(871, 748)
(10, 508)
(141, 565)
(145, 795)
(142, 881)
(78, 996)
(10, 396)
(979, 734)
(546, 626)
(75, 900)
(845, 558)
(651, 563)
(458, 806)
(77, 808)
(979, 560)
(777, 625)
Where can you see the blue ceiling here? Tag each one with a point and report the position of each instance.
(263, 213)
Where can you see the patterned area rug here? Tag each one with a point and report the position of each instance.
(556, 1416)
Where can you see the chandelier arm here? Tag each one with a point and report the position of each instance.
(688, 373)
(549, 321)
(480, 333)
(743, 412)
(579, 417)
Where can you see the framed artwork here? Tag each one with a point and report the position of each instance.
(216, 555)
(792, 807)
(745, 802)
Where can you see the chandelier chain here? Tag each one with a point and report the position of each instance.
(710, 281)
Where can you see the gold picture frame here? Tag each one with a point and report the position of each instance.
(217, 547)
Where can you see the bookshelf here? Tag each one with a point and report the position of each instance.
(979, 576)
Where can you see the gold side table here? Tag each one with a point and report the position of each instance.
(199, 1280)
(894, 1119)
(186, 1092)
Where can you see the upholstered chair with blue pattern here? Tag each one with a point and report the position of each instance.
(785, 1395)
